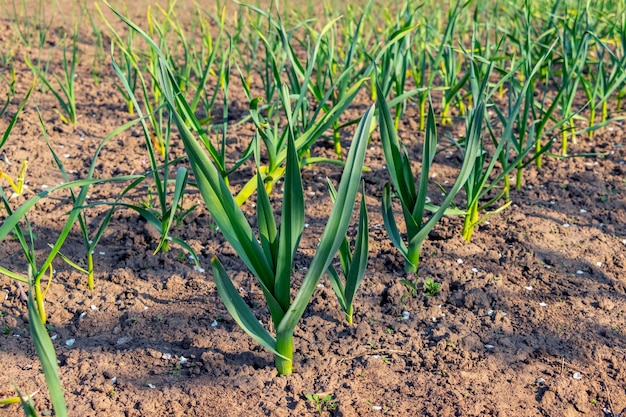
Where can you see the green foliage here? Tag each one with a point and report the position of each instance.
(431, 288)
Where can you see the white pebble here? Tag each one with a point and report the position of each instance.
(406, 315)
(67, 155)
(529, 288)
(214, 324)
(459, 261)
(565, 224)
(306, 225)
(543, 304)
(320, 285)
(475, 270)
(166, 356)
(102, 253)
(198, 269)
(123, 340)
(82, 315)
(490, 313)
(183, 360)
(489, 347)
(69, 342)
(93, 307)
(579, 272)
(541, 380)
(376, 407)
(151, 386)
(599, 264)
(577, 376)
(583, 210)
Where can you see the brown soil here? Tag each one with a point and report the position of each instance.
(530, 319)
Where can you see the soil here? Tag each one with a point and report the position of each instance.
(530, 317)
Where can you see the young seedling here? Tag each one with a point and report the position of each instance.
(414, 201)
(353, 264)
(66, 93)
(322, 401)
(18, 185)
(431, 288)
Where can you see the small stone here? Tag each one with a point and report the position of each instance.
(577, 376)
(124, 340)
(70, 342)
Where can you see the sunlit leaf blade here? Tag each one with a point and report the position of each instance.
(338, 287)
(336, 227)
(239, 310)
(267, 224)
(394, 157)
(179, 189)
(361, 250)
(291, 226)
(390, 222)
(47, 357)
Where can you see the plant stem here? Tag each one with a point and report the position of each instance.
(284, 346)
(519, 177)
(507, 188)
(337, 140)
(349, 313)
(39, 298)
(422, 112)
(413, 258)
(90, 283)
(539, 160)
(470, 221)
(444, 114)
